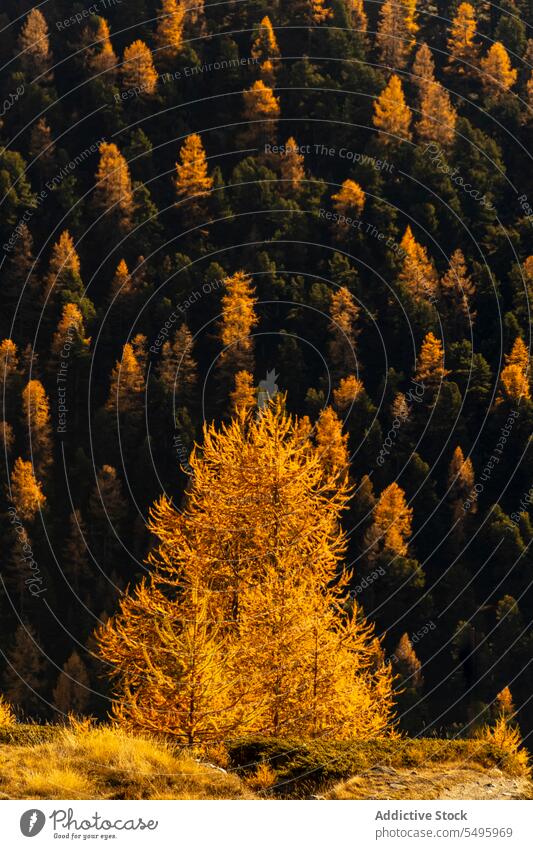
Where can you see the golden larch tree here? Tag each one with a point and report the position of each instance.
(418, 272)
(244, 395)
(391, 522)
(121, 281)
(497, 73)
(344, 312)
(392, 116)
(347, 392)
(423, 69)
(332, 444)
(170, 23)
(430, 369)
(240, 626)
(34, 46)
(462, 49)
(177, 369)
(265, 51)
(237, 323)
(407, 665)
(461, 480)
(70, 330)
(113, 190)
(9, 362)
(515, 378)
(138, 71)
(357, 16)
(319, 11)
(26, 493)
(192, 181)
(64, 268)
(37, 424)
(261, 109)
(350, 199)
(291, 166)
(103, 58)
(456, 292)
(438, 117)
(396, 30)
(127, 383)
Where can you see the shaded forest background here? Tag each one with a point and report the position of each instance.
(413, 324)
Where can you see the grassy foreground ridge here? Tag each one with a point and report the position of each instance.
(87, 762)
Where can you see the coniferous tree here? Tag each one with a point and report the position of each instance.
(238, 320)
(103, 59)
(392, 116)
(430, 369)
(63, 277)
(37, 424)
(418, 271)
(71, 693)
(497, 73)
(24, 677)
(344, 313)
(177, 368)
(423, 70)
(396, 30)
(292, 171)
(456, 293)
(462, 49)
(244, 395)
(170, 23)
(34, 47)
(192, 181)
(264, 50)
(26, 493)
(350, 199)
(391, 525)
(113, 192)
(438, 117)
(270, 650)
(138, 71)
(261, 110)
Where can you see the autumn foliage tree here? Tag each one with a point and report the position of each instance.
(63, 278)
(240, 625)
(396, 30)
(138, 71)
(238, 321)
(462, 49)
(34, 46)
(261, 110)
(265, 49)
(392, 116)
(344, 312)
(192, 181)
(291, 167)
(515, 379)
(430, 369)
(497, 73)
(170, 22)
(36, 420)
(418, 272)
(25, 491)
(113, 193)
(391, 525)
(438, 117)
(103, 59)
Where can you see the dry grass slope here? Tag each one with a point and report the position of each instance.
(105, 763)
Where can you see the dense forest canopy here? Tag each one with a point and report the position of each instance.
(209, 210)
